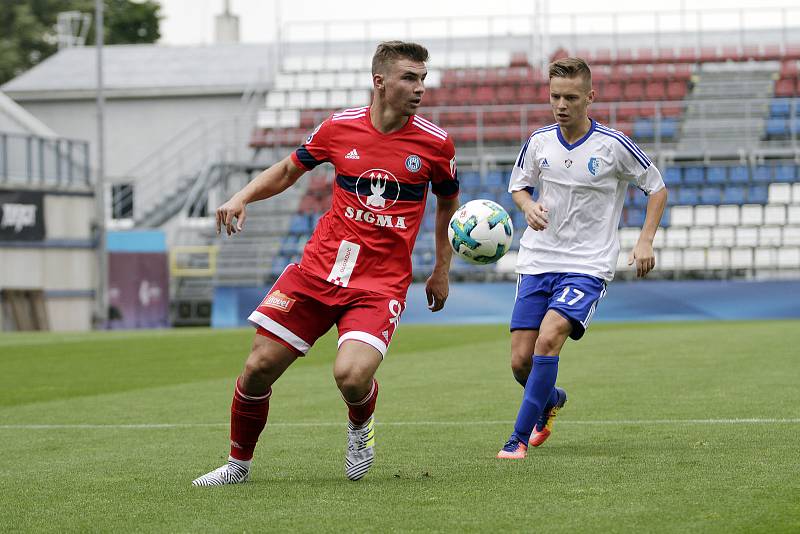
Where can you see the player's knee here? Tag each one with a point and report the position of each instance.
(258, 364)
(352, 379)
(549, 344)
(521, 366)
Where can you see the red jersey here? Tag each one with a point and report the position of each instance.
(366, 238)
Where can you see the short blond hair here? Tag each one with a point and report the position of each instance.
(571, 67)
(390, 51)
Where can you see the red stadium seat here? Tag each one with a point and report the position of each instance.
(528, 94)
(661, 72)
(542, 93)
(599, 113)
(671, 109)
(627, 111)
(731, 53)
(666, 55)
(539, 117)
(708, 54)
(792, 51)
(647, 109)
(611, 92)
(789, 69)
(785, 87)
(586, 55)
(645, 56)
(601, 56)
(633, 91)
(771, 52)
(506, 94)
(688, 54)
(751, 52)
(464, 134)
(624, 55)
(624, 127)
(461, 96)
(519, 59)
(682, 72)
(655, 91)
(640, 73)
(484, 95)
(620, 72)
(676, 90)
(601, 73)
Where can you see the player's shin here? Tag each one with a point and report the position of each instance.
(537, 392)
(248, 418)
(360, 411)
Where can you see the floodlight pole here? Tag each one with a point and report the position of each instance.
(101, 294)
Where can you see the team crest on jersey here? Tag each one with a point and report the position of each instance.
(594, 165)
(311, 136)
(413, 163)
(379, 181)
(568, 163)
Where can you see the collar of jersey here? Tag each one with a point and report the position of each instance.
(577, 143)
(405, 127)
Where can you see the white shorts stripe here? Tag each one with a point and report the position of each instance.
(258, 318)
(369, 339)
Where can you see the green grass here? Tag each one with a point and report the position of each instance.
(447, 404)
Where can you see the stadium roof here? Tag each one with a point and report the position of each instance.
(146, 70)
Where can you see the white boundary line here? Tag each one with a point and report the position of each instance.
(640, 422)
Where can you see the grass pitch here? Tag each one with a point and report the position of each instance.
(669, 427)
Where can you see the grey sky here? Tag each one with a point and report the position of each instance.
(192, 21)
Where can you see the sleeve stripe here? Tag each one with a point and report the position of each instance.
(630, 145)
(644, 163)
(521, 158)
(305, 158)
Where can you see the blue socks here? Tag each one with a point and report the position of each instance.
(538, 392)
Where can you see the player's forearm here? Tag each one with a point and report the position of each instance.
(271, 181)
(522, 199)
(445, 208)
(656, 203)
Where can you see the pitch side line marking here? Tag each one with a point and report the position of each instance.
(645, 422)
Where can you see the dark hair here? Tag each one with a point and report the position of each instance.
(571, 67)
(390, 51)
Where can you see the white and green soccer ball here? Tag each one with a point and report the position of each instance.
(480, 232)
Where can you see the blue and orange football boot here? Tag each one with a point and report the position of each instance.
(544, 427)
(514, 449)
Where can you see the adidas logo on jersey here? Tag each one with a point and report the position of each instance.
(352, 155)
(544, 164)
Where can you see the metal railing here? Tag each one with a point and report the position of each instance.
(28, 160)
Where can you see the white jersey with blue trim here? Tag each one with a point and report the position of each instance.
(583, 187)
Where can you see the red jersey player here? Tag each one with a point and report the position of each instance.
(356, 267)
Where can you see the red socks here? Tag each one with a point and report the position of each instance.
(361, 411)
(248, 418)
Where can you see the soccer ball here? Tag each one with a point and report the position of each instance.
(480, 231)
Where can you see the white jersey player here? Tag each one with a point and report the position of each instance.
(581, 170)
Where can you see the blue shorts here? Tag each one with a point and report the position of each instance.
(574, 296)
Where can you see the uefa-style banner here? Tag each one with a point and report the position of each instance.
(21, 216)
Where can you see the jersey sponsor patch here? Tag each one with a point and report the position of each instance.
(279, 301)
(594, 165)
(345, 263)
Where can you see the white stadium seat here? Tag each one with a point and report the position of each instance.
(780, 194)
(477, 58)
(293, 63)
(314, 63)
(746, 236)
(677, 237)
(318, 99)
(789, 258)
(705, 215)
(680, 216)
(718, 258)
(728, 215)
(276, 99)
(346, 79)
(752, 215)
(791, 236)
(793, 215)
(296, 100)
(628, 237)
(775, 214)
(700, 237)
(796, 193)
(284, 81)
(334, 62)
(499, 58)
(660, 240)
(304, 80)
(289, 118)
(694, 259)
(456, 59)
(669, 259)
(434, 78)
(741, 258)
(766, 258)
(339, 98)
(359, 97)
(769, 236)
(723, 236)
(324, 80)
(267, 118)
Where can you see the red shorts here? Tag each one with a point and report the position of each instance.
(301, 307)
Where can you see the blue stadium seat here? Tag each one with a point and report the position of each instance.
(279, 264)
(777, 127)
(643, 129)
(757, 194)
(288, 244)
(763, 174)
(669, 128)
(794, 126)
(687, 196)
(717, 175)
(504, 199)
(429, 221)
(672, 176)
(469, 179)
(693, 175)
(739, 174)
(733, 194)
(665, 218)
(710, 194)
(495, 179)
(785, 173)
(634, 217)
(638, 199)
(518, 218)
(780, 107)
(672, 197)
(299, 224)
